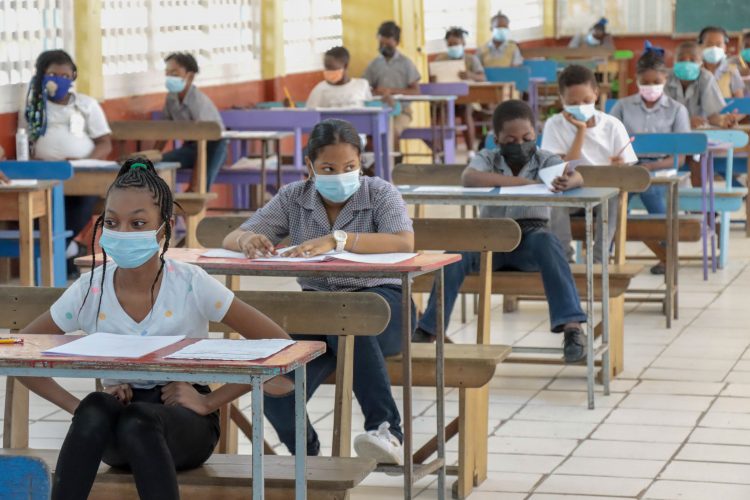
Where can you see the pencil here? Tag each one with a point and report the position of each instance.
(11, 341)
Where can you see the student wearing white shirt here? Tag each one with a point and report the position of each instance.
(581, 132)
(64, 125)
(338, 89)
(153, 428)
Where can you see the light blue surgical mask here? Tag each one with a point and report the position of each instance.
(455, 51)
(745, 54)
(130, 249)
(338, 187)
(592, 40)
(687, 70)
(582, 112)
(713, 55)
(500, 34)
(175, 84)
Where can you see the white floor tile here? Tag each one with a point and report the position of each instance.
(532, 446)
(649, 433)
(731, 405)
(563, 414)
(529, 464)
(559, 429)
(509, 481)
(720, 436)
(715, 453)
(625, 449)
(653, 417)
(691, 490)
(679, 388)
(707, 471)
(726, 420)
(666, 402)
(619, 467)
(592, 485)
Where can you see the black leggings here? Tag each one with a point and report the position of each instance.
(146, 437)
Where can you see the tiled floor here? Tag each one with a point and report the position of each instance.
(676, 426)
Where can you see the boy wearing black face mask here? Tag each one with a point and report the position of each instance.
(517, 162)
(393, 73)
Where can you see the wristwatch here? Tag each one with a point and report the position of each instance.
(340, 237)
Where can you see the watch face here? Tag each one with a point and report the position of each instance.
(339, 235)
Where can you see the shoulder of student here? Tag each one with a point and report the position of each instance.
(380, 189)
(484, 160)
(547, 158)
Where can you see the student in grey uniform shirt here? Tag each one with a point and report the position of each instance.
(742, 61)
(713, 40)
(517, 162)
(185, 102)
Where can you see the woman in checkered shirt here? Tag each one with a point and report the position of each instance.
(338, 208)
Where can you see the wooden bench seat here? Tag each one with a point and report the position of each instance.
(649, 227)
(229, 477)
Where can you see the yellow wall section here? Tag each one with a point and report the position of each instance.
(272, 39)
(88, 43)
(550, 18)
(484, 14)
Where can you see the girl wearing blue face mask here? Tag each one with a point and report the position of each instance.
(63, 124)
(500, 51)
(713, 41)
(153, 428)
(339, 209)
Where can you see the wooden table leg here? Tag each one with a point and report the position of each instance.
(26, 238)
(16, 424)
(45, 241)
(617, 334)
(342, 402)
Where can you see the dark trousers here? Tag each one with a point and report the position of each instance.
(146, 437)
(216, 156)
(371, 385)
(539, 250)
(78, 212)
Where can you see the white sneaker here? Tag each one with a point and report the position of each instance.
(380, 445)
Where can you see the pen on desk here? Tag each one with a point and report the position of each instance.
(630, 141)
(10, 340)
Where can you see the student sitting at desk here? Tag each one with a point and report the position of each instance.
(500, 51)
(581, 132)
(338, 208)
(742, 61)
(338, 90)
(713, 41)
(152, 428)
(393, 73)
(597, 36)
(185, 102)
(63, 124)
(517, 162)
(455, 41)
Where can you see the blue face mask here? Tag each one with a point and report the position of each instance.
(582, 112)
(745, 54)
(592, 40)
(713, 55)
(455, 51)
(339, 187)
(57, 87)
(687, 71)
(500, 34)
(130, 249)
(175, 84)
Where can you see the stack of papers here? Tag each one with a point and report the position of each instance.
(452, 189)
(89, 163)
(111, 345)
(372, 258)
(232, 350)
(21, 183)
(533, 189)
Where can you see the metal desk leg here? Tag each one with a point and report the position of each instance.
(670, 262)
(602, 229)
(590, 303)
(257, 402)
(704, 212)
(440, 382)
(263, 175)
(279, 178)
(712, 209)
(300, 434)
(406, 376)
(676, 249)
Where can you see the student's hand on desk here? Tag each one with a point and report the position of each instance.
(184, 394)
(311, 248)
(255, 246)
(123, 392)
(464, 75)
(729, 120)
(577, 123)
(567, 181)
(698, 122)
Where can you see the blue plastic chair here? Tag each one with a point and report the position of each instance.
(24, 478)
(542, 69)
(609, 104)
(739, 104)
(42, 170)
(520, 75)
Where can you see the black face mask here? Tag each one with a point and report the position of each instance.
(518, 155)
(387, 51)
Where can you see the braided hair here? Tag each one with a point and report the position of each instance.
(36, 98)
(136, 173)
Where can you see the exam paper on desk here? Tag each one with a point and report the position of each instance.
(232, 350)
(374, 258)
(110, 345)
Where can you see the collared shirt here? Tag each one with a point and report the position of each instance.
(741, 63)
(733, 83)
(667, 116)
(398, 72)
(195, 107)
(701, 98)
(297, 212)
(473, 65)
(491, 160)
(493, 56)
(601, 142)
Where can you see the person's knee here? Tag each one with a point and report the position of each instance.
(96, 415)
(135, 423)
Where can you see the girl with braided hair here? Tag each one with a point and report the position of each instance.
(152, 427)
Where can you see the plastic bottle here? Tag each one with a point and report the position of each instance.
(22, 145)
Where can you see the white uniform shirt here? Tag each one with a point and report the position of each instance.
(352, 94)
(603, 141)
(71, 129)
(187, 300)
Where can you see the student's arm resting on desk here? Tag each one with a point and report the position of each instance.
(476, 178)
(258, 235)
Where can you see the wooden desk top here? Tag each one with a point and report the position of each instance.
(38, 186)
(29, 355)
(572, 198)
(115, 167)
(255, 135)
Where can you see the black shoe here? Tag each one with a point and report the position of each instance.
(659, 269)
(574, 345)
(422, 337)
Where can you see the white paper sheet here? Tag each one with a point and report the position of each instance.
(111, 345)
(220, 253)
(21, 183)
(447, 71)
(375, 258)
(89, 163)
(529, 189)
(452, 189)
(378, 258)
(232, 350)
(667, 172)
(549, 174)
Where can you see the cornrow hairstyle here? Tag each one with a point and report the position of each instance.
(652, 58)
(136, 173)
(36, 98)
(455, 32)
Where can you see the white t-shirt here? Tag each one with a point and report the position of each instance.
(188, 299)
(602, 141)
(71, 129)
(352, 94)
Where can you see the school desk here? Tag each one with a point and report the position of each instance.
(27, 360)
(489, 93)
(24, 204)
(582, 198)
(94, 181)
(442, 130)
(406, 271)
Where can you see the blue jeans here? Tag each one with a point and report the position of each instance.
(216, 156)
(539, 250)
(371, 385)
(654, 199)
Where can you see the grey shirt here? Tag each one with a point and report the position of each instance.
(473, 65)
(701, 98)
(736, 84)
(667, 116)
(297, 212)
(196, 107)
(398, 72)
(492, 161)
